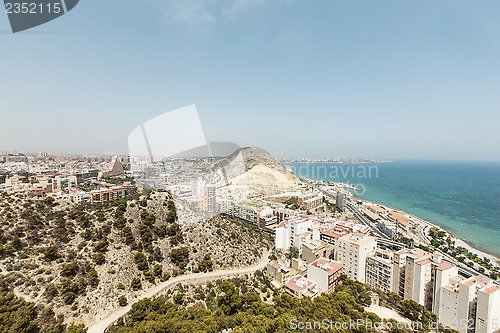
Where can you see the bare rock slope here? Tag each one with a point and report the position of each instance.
(256, 167)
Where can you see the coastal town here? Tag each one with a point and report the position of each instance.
(321, 231)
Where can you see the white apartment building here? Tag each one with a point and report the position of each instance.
(352, 251)
(470, 305)
(63, 182)
(288, 231)
(325, 273)
(379, 270)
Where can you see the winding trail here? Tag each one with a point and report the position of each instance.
(101, 325)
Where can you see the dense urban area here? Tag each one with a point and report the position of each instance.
(213, 244)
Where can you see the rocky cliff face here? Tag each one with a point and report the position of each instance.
(256, 166)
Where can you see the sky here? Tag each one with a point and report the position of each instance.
(385, 79)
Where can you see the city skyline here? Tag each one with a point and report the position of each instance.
(380, 80)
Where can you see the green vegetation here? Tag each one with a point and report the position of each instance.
(119, 181)
(206, 264)
(17, 315)
(294, 252)
(179, 298)
(236, 306)
(141, 261)
(441, 240)
(55, 248)
(243, 311)
(180, 256)
(50, 253)
(292, 203)
(122, 301)
(136, 284)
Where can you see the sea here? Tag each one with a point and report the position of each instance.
(461, 197)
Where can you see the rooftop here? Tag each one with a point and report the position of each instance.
(490, 290)
(300, 283)
(327, 265)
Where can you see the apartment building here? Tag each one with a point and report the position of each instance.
(314, 249)
(310, 201)
(209, 196)
(287, 232)
(341, 199)
(245, 212)
(468, 305)
(300, 286)
(331, 236)
(417, 275)
(379, 270)
(277, 273)
(352, 251)
(325, 273)
(62, 183)
(112, 193)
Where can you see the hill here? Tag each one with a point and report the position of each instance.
(254, 171)
(81, 259)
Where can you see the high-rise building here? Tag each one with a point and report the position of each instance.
(379, 270)
(470, 305)
(209, 195)
(341, 199)
(352, 251)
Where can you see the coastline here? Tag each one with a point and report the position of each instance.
(458, 241)
(424, 224)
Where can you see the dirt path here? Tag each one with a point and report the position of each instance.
(102, 324)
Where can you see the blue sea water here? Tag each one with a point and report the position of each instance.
(461, 197)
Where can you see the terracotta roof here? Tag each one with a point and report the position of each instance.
(444, 266)
(274, 264)
(331, 233)
(299, 283)
(402, 219)
(327, 265)
(469, 282)
(423, 261)
(282, 225)
(490, 290)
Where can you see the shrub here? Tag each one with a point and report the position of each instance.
(141, 261)
(122, 301)
(102, 246)
(50, 253)
(69, 270)
(99, 258)
(206, 264)
(157, 270)
(149, 276)
(136, 284)
(180, 256)
(77, 329)
(179, 298)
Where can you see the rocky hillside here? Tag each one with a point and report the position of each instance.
(84, 260)
(255, 167)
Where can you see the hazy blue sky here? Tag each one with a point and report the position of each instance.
(375, 78)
